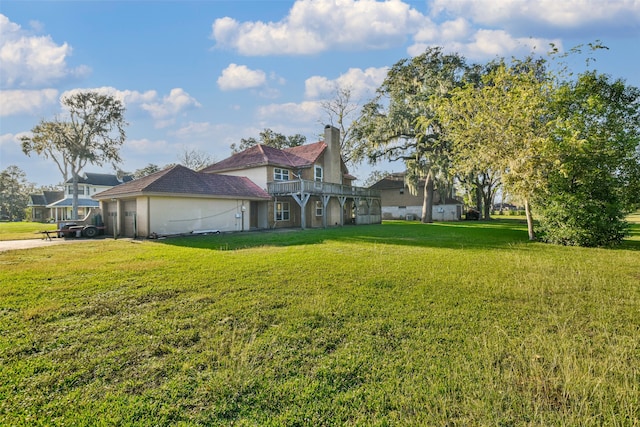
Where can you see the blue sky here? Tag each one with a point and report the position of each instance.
(201, 75)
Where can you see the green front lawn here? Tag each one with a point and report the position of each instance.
(23, 230)
(396, 324)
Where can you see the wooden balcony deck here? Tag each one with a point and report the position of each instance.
(316, 188)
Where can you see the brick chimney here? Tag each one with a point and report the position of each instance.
(332, 159)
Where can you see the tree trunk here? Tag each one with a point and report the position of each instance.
(527, 210)
(74, 200)
(487, 202)
(427, 203)
(478, 196)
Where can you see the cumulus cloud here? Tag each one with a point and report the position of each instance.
(476, 28)
(480, 43)
(527, 15)
(304, 112)
(26, 101)
(314, 26)
(127, 97)
(171, 105)
(31, 61)
(236, 77)
(362, 83)
(162, 110)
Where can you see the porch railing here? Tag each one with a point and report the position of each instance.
(283, 188)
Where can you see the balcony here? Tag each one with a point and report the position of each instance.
(316, 188)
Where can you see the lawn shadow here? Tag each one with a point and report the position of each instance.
(495, 234)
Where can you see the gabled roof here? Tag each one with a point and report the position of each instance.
(180, 180)
(309, 152)
(47, 197)
(102, 179)
(261, 155)
(391, 182)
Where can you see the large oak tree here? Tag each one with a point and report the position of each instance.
(388, 127)
(92, 132)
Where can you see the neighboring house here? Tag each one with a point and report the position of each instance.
(399, 203)
(39, 202)
(88, 185)
(259, 188)
(309, 184)
(179, 200)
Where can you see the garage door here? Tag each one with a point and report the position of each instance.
(110, 217)
(129, 218)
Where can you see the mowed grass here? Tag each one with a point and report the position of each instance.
(394, 324)
(23, 230)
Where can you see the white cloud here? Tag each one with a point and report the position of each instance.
(8, 140)
(236, 77)
(147, 146)
(314, 26)
(362, 83)
(127, 97)
(29, 61)
(304, 112)
(25, 101)
(163, 111)
(527, 14)
(173, 104)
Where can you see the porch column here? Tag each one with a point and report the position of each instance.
(357, 208)
(342, 199)
(302, 200)
(325, 202)
(368, 200)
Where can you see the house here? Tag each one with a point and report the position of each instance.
(261, 187)
(398, 202)
(88, 185)
(57, 205)
(179, 200)
(310, 185)
(39, 202)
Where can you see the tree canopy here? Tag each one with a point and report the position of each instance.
(595, 180)
(270, 138)
(14, 193)
(565, 145)
(92, 133)
(498, 125)
(388, 127)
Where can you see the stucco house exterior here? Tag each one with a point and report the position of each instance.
(398, 202)
(179, 200)
(310, 185)
(259, 188)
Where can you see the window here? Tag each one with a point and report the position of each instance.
(282, 211)
(280, 174)
(80, 189)
(319, 208)
(318, 174)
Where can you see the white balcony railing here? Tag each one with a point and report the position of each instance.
(283, 188)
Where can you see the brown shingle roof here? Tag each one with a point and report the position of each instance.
(179, 180)
(261, 155)
(309, 152)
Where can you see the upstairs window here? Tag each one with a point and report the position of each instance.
(280, 174)
(318, 174)
(80, 190)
